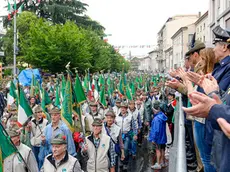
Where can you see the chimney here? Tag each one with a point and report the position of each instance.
(199, 14)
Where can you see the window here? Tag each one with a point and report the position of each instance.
(218, 7)
(204, 39)
(200, 28)
(227, 23)
(204, 27)
(190, 36)
(197, 30)
(227, 2)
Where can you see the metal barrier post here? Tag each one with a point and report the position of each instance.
(177, 157)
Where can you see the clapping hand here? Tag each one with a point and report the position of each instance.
(225, 126)
(208, 83)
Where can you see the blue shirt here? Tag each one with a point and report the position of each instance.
(49, 133)
(221, 73)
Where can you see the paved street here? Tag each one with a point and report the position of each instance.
(143, 161)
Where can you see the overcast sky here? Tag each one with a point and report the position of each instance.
(137, 22)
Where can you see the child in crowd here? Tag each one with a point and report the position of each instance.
(157, 135)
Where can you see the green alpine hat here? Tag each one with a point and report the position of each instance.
(197, 46)
(144, 94)
(110, 113)
(115, 91)
(13, 107)
(123, 104)
(59, 140)
(97, 122)
(118, 101)
(131, 102)
(12, 132)
(37, 109)
(55, 110)
(92, 104)
(14, 118)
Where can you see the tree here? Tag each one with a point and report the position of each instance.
(61, 11)
(51, 46)
(23, 25)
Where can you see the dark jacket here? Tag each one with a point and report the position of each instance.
(214, 114)
(221, 73)
(158, 129)
(169, 112)
(147, 111)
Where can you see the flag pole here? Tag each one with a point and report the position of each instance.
(79, 106)
(15, 37)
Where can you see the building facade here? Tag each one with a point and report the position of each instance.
(145, 64)
(219, 14)
(201, 28)
(181, 40)
(134, 64)
(165, 43)
(153, 60)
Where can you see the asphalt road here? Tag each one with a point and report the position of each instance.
(143, 163)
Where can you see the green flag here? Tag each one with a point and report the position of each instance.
(128, 93)
(32, 86)
(51, 90)
(109, 86)
(12, 96)
(57, 97)
(121, 87)
(133, 90)
(108, 81)
(63, 83)
(24, 109)
(102, 96)
(67, 106)
(79, 92)
(101, 80)
(45, 102)
(45, 99)
(86, 83)
(7, 148)
(37, 90)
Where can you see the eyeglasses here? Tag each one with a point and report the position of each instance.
(39, 112)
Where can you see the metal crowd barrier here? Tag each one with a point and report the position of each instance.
(177, 153)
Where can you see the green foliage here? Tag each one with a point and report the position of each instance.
(50, 47)
(23, 25)
(61, 11)
(7, 72)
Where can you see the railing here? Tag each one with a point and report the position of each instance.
(177, 154)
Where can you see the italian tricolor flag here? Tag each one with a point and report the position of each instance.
(95, 89)
(10, 10)
(24, 110)
(11, 96)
